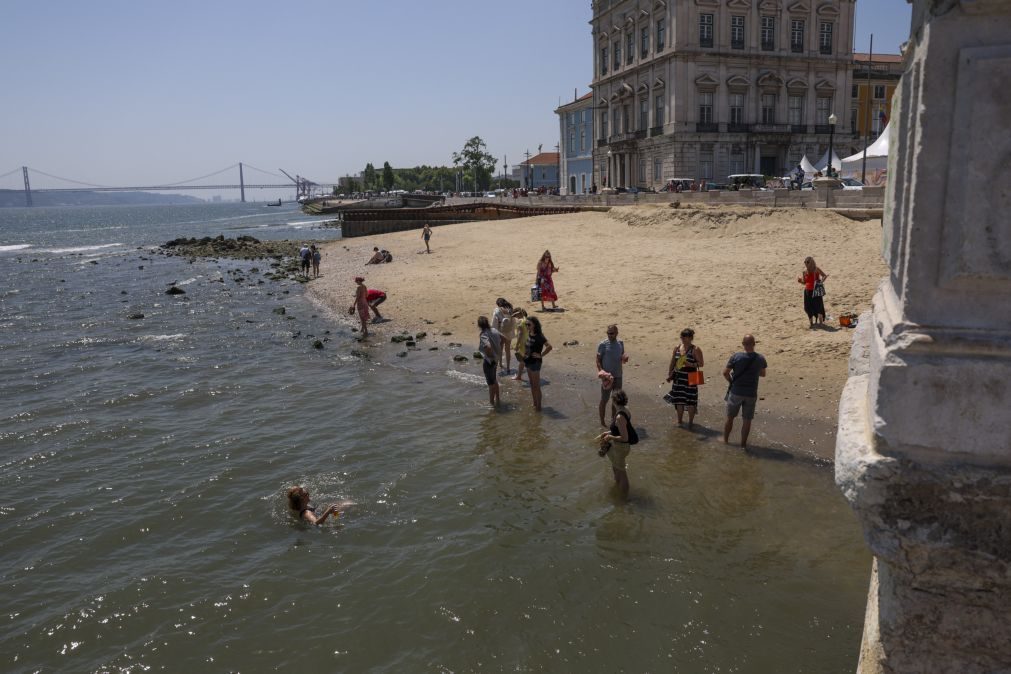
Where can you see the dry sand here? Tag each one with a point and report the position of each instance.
(653, 270)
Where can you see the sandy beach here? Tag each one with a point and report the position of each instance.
(653, 270)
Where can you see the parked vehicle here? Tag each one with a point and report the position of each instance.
(679, 185)
(746, 181)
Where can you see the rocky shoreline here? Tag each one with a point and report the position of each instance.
(284, 253)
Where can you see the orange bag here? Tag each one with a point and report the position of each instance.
(696, 378)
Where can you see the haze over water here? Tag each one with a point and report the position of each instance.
(143, 524)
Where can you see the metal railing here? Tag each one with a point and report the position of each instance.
(707, 127)
(656, 131)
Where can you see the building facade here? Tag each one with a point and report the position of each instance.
(575, 122)
(708, 88)
(540, 171)
(875, 79)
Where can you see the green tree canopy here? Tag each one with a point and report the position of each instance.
(476, 162)
(388, 178)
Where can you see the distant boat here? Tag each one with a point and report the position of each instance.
(271, 203)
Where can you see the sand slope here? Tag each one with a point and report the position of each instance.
(653, 270)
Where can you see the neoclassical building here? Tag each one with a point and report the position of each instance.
(708, 88)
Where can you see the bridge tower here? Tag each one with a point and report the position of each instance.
(242, 185)
(28, 187)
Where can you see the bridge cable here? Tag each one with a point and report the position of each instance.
(15, 171)
(189, 180)
(68, 180)
(276, 175)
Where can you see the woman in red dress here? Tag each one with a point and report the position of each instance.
(545, 268)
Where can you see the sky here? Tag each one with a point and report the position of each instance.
(116, 92)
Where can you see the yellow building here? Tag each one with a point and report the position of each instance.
(874, 82)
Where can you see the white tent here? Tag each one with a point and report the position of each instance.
(877, 156)
(807, 167)
(823, 162)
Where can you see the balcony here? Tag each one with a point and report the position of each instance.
(737, 44)
(601, 142)
(640, 134)
(707, 127)
(825, 49)
(768, 46)
(772, 128)
(823, 128)
(706, 42)
(738, 128)
(797, 47)
(656, 131)
(799, 128)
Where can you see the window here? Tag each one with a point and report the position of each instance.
(853, 120)
(879, 92)
(705, 30)
(641, 178)
(603, 60)
(825, 37)
(822, 110)
(657, 169)
(855, 92)
(626, 118)
(768, 108)
(706, 165)
(658, 116)
(572, 141)
(582, 139)
(629, 48)
(661, 34)
(795, 110)
(797, 35)
(737, 32)
(587, 116)
(644, 41)
(736, 109)
(768, 33)
(737, 163)
(706, 107)
(603, 125)
(643, 114)
(615, 120)
(617, 54)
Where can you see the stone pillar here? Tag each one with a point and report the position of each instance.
(924, 444)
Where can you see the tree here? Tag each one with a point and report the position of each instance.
(387, 176)
(478, 165)
(369, 176)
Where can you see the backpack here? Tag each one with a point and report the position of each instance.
(633, 437)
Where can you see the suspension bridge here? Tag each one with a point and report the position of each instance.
(304, 187)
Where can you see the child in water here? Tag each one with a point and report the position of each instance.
(298, 498)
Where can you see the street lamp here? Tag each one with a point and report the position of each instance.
(607, 180)
(832, 119)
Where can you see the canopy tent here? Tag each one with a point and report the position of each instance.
(823, 162)
(807, 167)
(877, 156)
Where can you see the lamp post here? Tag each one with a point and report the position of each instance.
(607, 180)
(832, 119)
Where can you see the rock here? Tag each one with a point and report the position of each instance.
(447, 334)
(455, 344)
(397, 339)
(90, 261)
(318, 344)
(421, 335)
(574, 342)
(175, 290)
(121, 292)
(460, 359)
(477, 354)
(280, 311)
(410, 342)
(401, 354)
(433, 348)
(134, 317)
(140, 266)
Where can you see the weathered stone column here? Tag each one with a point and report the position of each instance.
(924, 444)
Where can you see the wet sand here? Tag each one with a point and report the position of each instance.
(652, 270)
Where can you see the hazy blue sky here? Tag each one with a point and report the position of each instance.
(116, 92)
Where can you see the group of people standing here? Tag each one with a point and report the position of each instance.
(497, 347)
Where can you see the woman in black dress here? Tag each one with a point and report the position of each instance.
(538, 346)
(686, 358)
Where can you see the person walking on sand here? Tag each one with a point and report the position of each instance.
(538, 346)
(522, 334)
(814, 292)
(503, 321)
(610, 357)
(490, 346)
(742, 372)
(617, 441)
(298, 499)
(305, 259)
(426, 234)
(316, 258)
(545, 268)
(361, 305)
(686, 358)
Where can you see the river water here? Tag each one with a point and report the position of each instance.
(143, 465)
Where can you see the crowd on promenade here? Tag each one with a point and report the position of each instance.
(512, 335)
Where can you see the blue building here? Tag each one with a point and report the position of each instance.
(575, 122)
(540, 171)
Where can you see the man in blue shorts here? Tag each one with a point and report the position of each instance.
(742, 371)
(610, 357)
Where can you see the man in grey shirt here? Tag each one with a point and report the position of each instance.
(610, 356)
(742, 371)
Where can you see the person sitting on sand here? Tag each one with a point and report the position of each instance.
(380, 256)
(298, 499)
(361, 304)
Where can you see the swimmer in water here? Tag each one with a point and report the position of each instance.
(298, 498)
